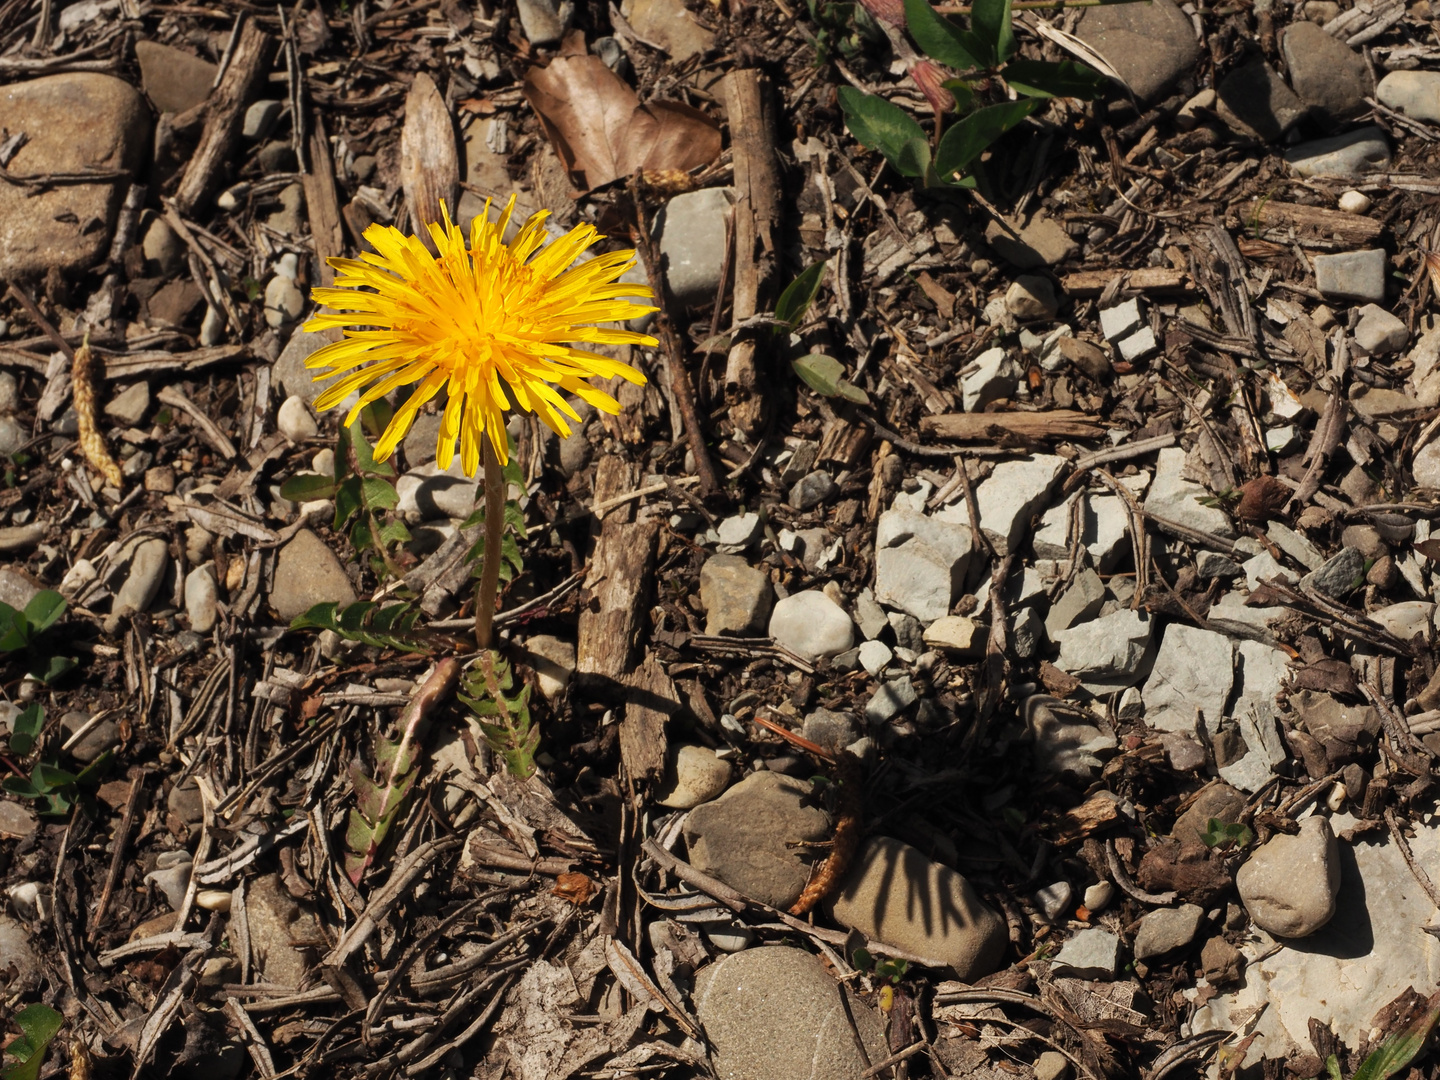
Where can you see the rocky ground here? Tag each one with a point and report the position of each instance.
(1076, 664)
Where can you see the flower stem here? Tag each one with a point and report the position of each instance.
(494, 534)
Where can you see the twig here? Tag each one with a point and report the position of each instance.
(117, 853)
(213, 435)
(1122, 878)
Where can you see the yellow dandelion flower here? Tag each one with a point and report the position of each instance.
(495, 323)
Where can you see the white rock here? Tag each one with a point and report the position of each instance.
(1103, 527)
(1262, 568)
(1009, 497)
(1354, 202)
(434, 493)
(1031, 297)
(295, 421)
(989, 377)
(1295, 545)
(1098, 896)
(147, 570)
(738, 532)
(1379, 332)
(1122, 319)
(1406, 619)
(811, 625)
(1194, 669)
(553, 661)
(1290, 883)
(1111, 649)
(1090, 954)
(1054, 900)
(920, 562)
(874, 656)
(693, 775)
(1415, 93)
(284, 302)
(201, 596)
(691, 233)
(1176, 499)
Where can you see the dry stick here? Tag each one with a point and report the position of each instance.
(672, 353)
(494, 534)
(224, 114)
(117, 856)
(757, 187)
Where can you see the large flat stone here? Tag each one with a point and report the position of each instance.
(74, 122)
(1152, 46)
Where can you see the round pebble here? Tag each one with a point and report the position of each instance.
(1354, 202)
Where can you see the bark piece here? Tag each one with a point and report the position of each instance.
(1029, 426)
(326, 232)
(622, 574)
(429, 163)
(1311, 226)
(1152, 279)
(652, 700)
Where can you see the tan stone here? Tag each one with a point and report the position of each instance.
(308, 573)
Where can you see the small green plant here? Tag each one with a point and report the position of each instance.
(38, 1024)
(362, 489)
(19, 631)
(843, 28)
(892, 971)
(985, 55)
(57, 790)
(391, 626)
(25, 731)
(1218, 833)
(826, 376)
(1397, 1051)
(795, 301)
(504, 717)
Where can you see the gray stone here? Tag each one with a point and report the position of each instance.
(260, 118)
(1290, 883)
(1103, 528)
(1031, 297)
(1079, 603)
(811, 625)
(1340, 576)
(433, 492)
(1260, 673)
(103, 736)
(1167, 930)
(541, 22)
(1009, 497)
(148, 563)
(1040, 242)
(1295, 545)
(1349, 156)
(185, 802)
(1426, 466)
(1211, 564)
(915, 579)
(1352, 275)
(172, 881)
(554, 662)
(1331, 78)
(1152, 46)
(295, 421)
(1177, 499)
(957, 634)
(1262, 568)
(130, 405)
(308, 573)
(276, 920)
(989, 377)
(1415, 93)
(693, 775)
(909, 631)
(16, 822)
(1254, 100)
(1054, 900)
(290, 371)
(832, 730)
(1064, 742)
(1027, 633)
(174, 80)
(290, 219)
(738, 532)
(18, 587)
(1378, 332)
(74, 122)
(899, 897)
(1194, 669)
(1406, 619)
(875, 656)
(736, 597)
(1090, 954)
(13, 435)
(691, 233)
(1112, 649)
(201, 597)
(776, 1013)
(1122, 319)
(17, 950)
(746, 837)
(1138, 345)
(284, 302)
(1052, 1065)
(888, 702)
(162, 247)
(869, 615)
(9, 391)
(812, 489)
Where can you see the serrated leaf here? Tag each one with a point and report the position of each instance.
(941, 39)
(795, 301)
(379, 494)
(44, 608)
(353, 617)
(347, 501)
(307, 486)
(877, 124)
(1067, 78)
(968, 137)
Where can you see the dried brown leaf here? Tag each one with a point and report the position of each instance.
(602, 132)
(1261, 499)
(429, 162)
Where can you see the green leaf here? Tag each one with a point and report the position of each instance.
(1219, 832)
(968, 137)
(360, 535)
(307, 486)
(820, 372)
(44, 608)
(1396, 1052)
(27, 728)
(353, 617)
(50, 669)
(50, 777)
(14, 630)
(990, 20)
(319, 617)
(914, 159)
(861, 960)
(19, 785)
(941, 39)
(92, 773)
(879, 125)
(1332, 1068)
(39, 1024)
(1068, 78)
(799, 295)
(375, 418)
(394, 532)
(347, 501)
(379, 494)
